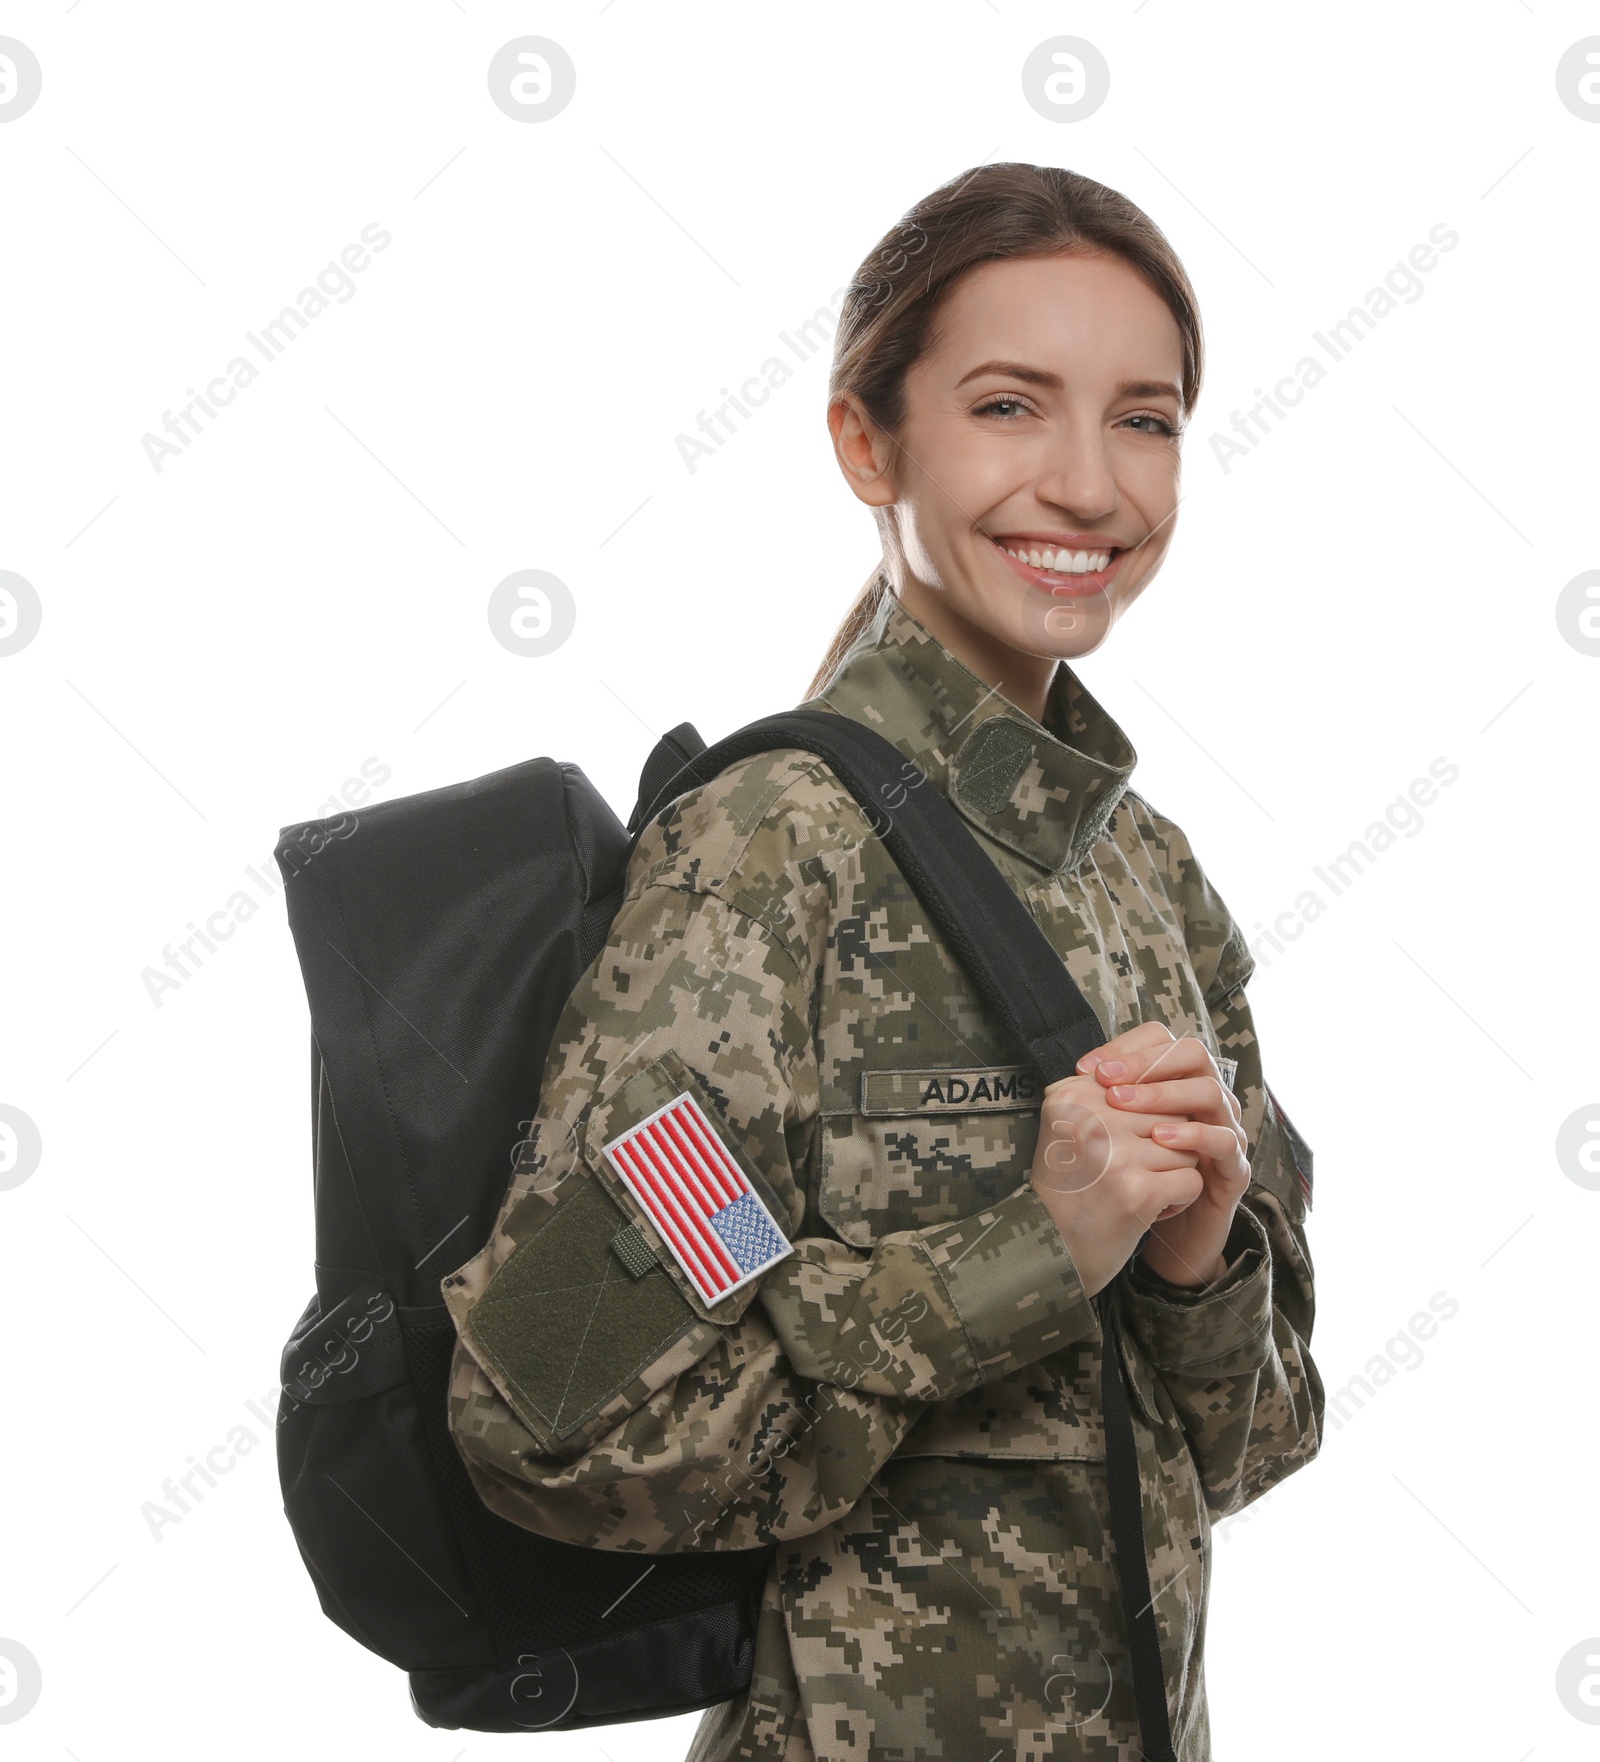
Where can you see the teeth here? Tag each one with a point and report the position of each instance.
(1062, 562)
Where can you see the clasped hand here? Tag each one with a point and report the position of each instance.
(1147, 1137)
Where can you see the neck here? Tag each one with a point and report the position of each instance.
(1021, 679)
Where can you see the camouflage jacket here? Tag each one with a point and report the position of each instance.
(907, 1404)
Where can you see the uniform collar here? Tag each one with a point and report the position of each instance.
(1043, 791)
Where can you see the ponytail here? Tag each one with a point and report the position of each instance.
(856, 622)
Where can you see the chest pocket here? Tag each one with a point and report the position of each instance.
(926, 1146)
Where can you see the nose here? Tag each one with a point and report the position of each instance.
(1077, 474)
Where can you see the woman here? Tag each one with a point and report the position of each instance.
(906, 1400)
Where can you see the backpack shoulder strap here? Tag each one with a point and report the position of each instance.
(670, 754)
(990, 930)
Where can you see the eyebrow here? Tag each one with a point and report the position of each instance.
(1127, 388)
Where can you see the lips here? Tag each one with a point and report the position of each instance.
(1058, 581)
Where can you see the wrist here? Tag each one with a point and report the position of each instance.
(1172, 1269)
(1222, 1329)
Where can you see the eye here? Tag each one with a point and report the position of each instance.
(1160, 424)
(1003, 402)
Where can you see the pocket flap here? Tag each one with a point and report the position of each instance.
(576, 1331)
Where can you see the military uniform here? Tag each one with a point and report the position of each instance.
(907, 1404)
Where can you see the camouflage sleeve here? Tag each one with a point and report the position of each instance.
(596, 1396)
(1234, 1356)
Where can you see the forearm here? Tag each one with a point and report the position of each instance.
(777, 1423)
(735, 1453)
(931, 1314)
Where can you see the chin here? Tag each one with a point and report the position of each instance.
(1062, 628)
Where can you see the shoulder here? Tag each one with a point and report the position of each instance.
(761, 814)
(1218, 951)
(1164, 838)
(768, 835)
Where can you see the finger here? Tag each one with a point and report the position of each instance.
(1201, 1098)
(1187, 1057)
(1146, 1034)
(1217, 1144)
(1071, 1104)
(1158, 1157)
(1165, 1159)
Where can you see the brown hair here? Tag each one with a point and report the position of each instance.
(1013, 209)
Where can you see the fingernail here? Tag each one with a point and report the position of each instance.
(1122, 1091)
(1113, 1067)
(1164, 1132)
(1088, 1062)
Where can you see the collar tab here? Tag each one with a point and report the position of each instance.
(1045, 791)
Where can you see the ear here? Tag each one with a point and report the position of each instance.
(865, 453)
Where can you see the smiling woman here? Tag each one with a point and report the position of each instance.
(908, 1390)
(1041, 352)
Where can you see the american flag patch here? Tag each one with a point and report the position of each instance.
(1299, 1149)
(696, 1195)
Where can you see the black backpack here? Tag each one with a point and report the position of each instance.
(439, 937)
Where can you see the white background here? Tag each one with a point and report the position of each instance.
(226, 640)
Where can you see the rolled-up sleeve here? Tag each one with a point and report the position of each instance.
(1220, 1329)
